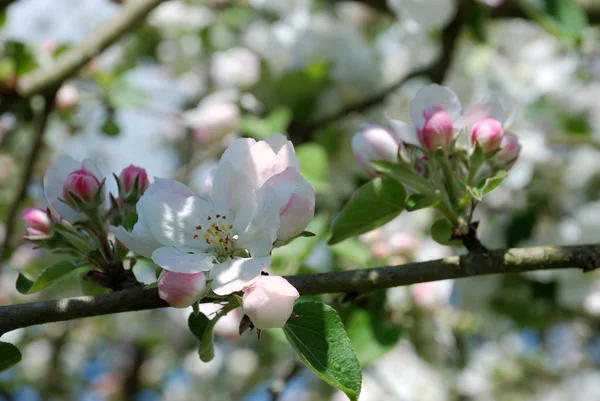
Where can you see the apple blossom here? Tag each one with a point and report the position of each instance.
(374, 143)
(181, 290)
(67, 97)
(509, 150)
(432, 295)
(38, 222)
(435, 112)
(133, 175)
(82, 183)
(231, 230)
(68, 175)
(487, 133)
(236, 67)
(212, 119)
(269, 302)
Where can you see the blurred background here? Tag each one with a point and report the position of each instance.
(172, 93)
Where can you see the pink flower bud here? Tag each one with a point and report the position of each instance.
(128, 178)
(67, 97)
(488, 134)
(181, 290)
(269, 302)
(509, 150)
(438, 129)
(374, 143)
(37, 221)
(82, 183)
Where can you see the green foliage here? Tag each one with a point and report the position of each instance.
(9, 356)
(420, 201)
(372, 205)
(318, 337)
(19, 56)
(441, 232)
(260, 128)
(202, 327)
(314, 165)
(567, 15)
(49, 275)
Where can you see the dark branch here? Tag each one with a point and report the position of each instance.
(500, 261)
(38, 81)
(39, 129)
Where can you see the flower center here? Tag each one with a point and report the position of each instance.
(218, 234)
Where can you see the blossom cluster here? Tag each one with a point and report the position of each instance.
(462, 155)
(218, 241)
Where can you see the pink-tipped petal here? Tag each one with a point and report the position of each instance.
(181, 290)
(269, 302)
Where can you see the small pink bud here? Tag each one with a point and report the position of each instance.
(67, 97)
(488, 134)
(128, 178)
(509, 150)
(181, 290)
(82, 183)
(374, 143)
(438, 130)
(37, 221)
(269, 302)
(432, 295)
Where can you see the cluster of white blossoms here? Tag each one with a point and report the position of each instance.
(220, 240)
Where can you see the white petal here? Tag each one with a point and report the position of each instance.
(236, 274)
(284, 150)
(53, 187)
(259, 235)
(88, 164)
(406, 132)
(165, 184)
(174, 219)
(180, 261)
(489, 107)
(137, 241)
(433, 95)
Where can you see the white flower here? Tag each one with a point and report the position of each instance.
(54, 181)
(229, 232)
(237, 67)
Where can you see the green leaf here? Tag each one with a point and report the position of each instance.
(202, 327)
(372, 334)
(372, 205)
(73, 238)
(441, 232)
(318, 337)
(260, 128)
(23, 284)
(21, 56)
(123, 94)
(568, 15)
(404, 175)
(52, 273)
(130, 220)
(489, 184)
(110, 127)
(9, 356)
(314, 165)
(420, 201)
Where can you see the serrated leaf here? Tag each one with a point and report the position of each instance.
(9, 356)
(317, 335)
(202, 327)
(52, 273)
(491, 183)
(73, 238)
(420, 201)
(372, 205)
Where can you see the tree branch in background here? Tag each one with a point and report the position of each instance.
(303, 132)
(40, 80)
(12, 213)
(499, 261)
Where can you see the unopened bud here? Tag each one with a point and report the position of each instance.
(509, 150)
(269, 302)
(134, 178)
(37, 221)
(438, 129)
(374, 143)
(487, 134)
(67, 97)
(181, 290)
(82, 183)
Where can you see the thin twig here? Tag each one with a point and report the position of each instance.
(128, 17)
(39, 129)
(499, 261)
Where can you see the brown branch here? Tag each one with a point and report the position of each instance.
(130, 15)
(499, 261)
(39, 129)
